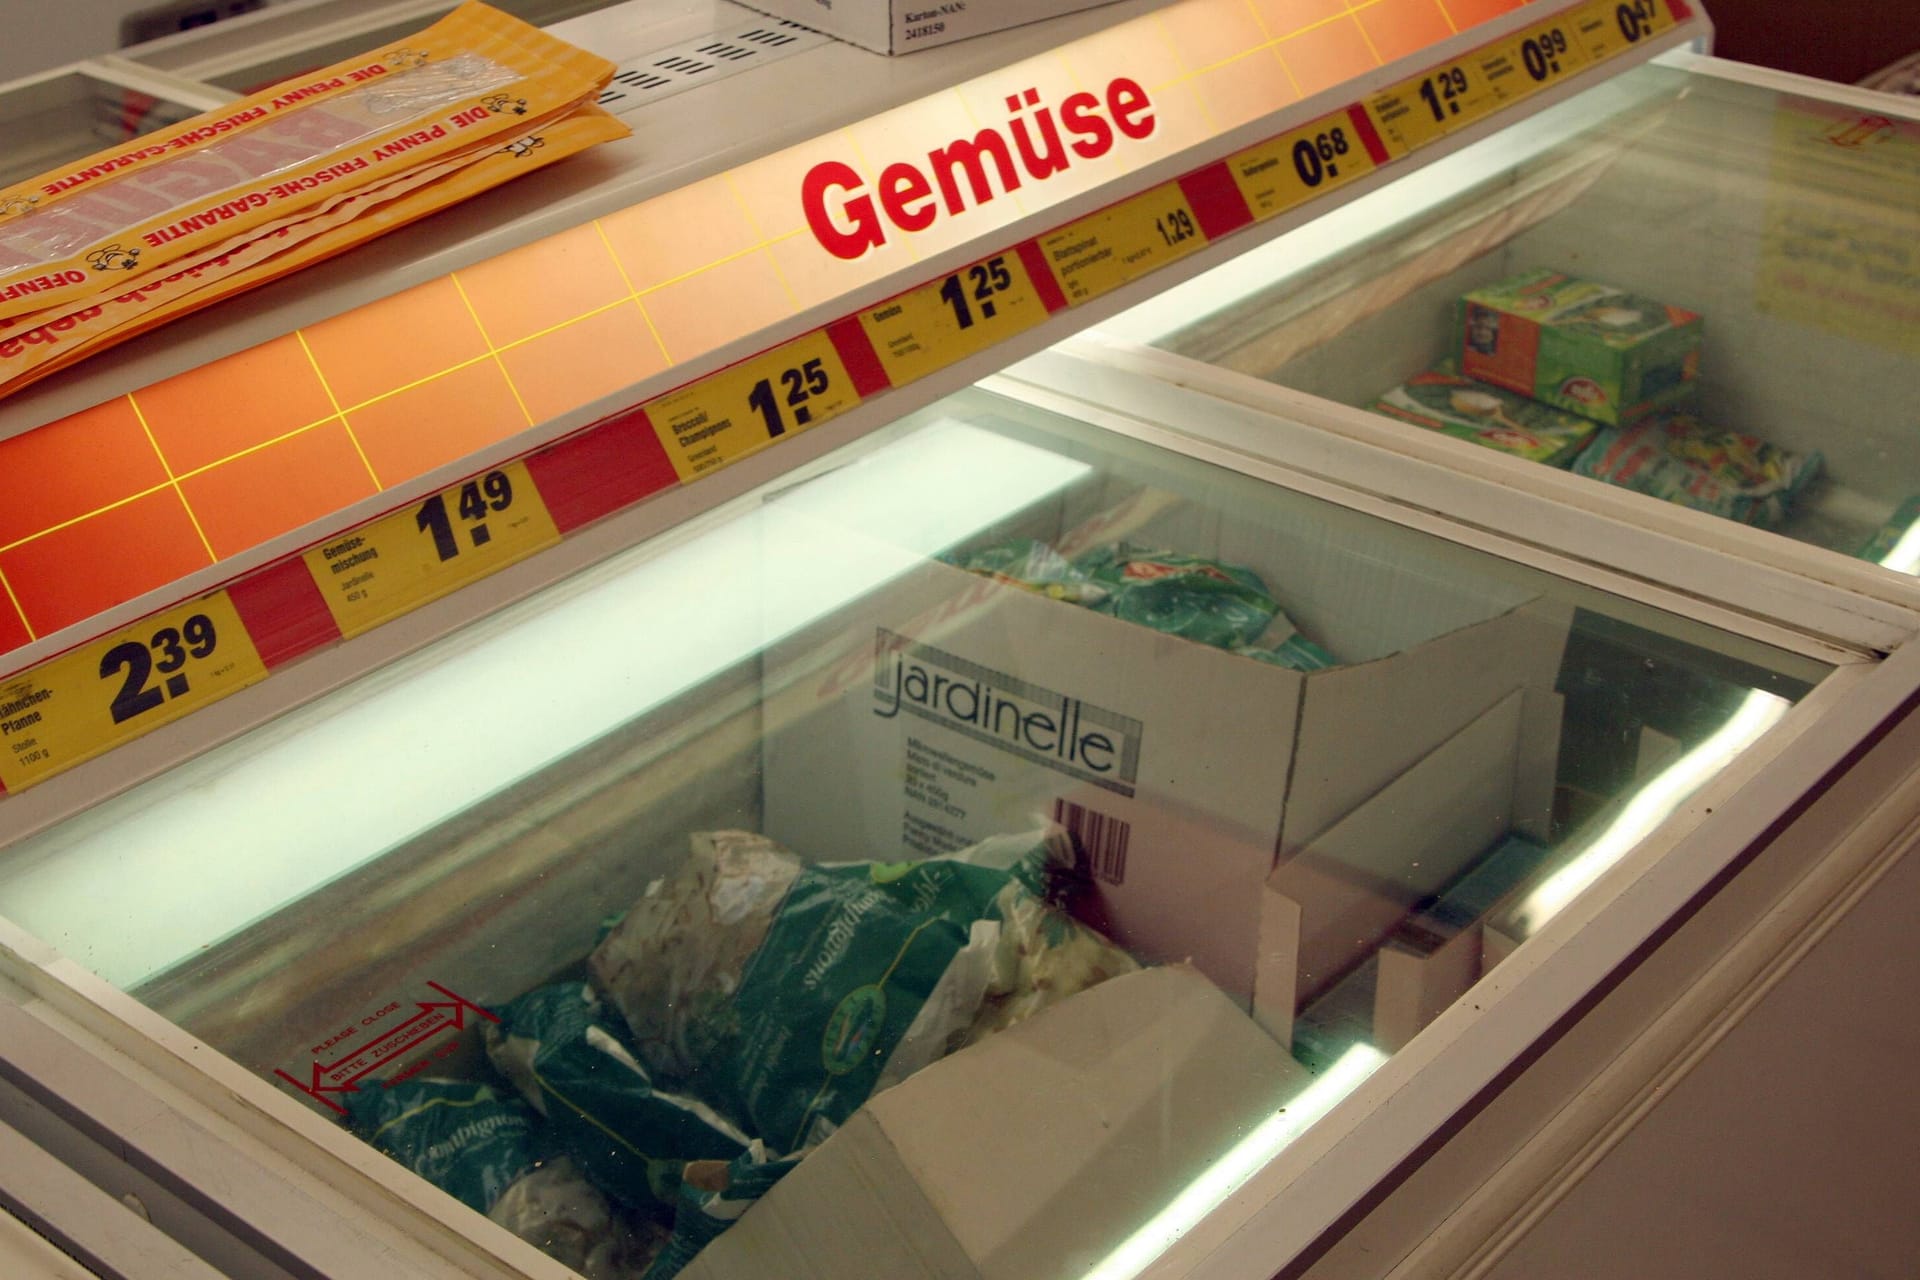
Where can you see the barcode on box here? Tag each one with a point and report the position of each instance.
(1100, 841)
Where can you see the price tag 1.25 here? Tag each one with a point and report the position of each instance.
(1289, 170)
(1107, 249)
(942, 323)
(117, 688)
(747, 407)
(399, 562)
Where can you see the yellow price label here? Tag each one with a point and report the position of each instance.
(117, 688)
(1545, 54)
(1402, 119)
(944, 322)
(1289, 170)
(400, 562)
(1105, 250)
(747, 407)
(1607, 27)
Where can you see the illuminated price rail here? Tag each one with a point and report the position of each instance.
(82, 703)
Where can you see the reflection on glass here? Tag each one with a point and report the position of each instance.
(1691, 289)
(1031, 828)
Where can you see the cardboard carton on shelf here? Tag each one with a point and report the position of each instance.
(906, 26)
(1035, 1152)
(945, 707)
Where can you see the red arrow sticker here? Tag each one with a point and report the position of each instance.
(378, 1040)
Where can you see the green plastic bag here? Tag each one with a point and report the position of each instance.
(1206, 601)
(712, 1198)
(602, 1109)
(488, 1151)
(786, 994)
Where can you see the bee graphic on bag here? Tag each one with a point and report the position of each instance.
(17, 204)
(404, 59)
(113, 258)
(500, 104)
(521, 148)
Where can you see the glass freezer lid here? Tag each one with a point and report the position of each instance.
(1689, 286)
(1028, 826)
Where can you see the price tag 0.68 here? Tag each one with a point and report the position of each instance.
(402, 561)
(117, 688)
(938, 324)
(1289, 170)
(747, 407)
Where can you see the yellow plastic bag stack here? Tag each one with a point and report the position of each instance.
(129, 238)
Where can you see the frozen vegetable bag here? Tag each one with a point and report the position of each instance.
(786, 994)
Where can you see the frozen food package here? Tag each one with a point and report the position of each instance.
(569, 1062)
(1683, 460)
(1891, 534)
(1206, 601)
(712, 1197)
(121, 214)
(1034, 566)
(1579, 345)
(1296, 653)
(40, 344)
(487, 1150)
(785, 994)
(1442, 400)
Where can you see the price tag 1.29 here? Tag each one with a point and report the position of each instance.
(1289, 170)
(748, 406)
(942, 323)
(1415, 112)
(1107, 249)
(117, 688)
(401, 561)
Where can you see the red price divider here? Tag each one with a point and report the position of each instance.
(84, 702)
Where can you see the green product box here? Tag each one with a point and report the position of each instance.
(1444, 401)
(1587, 347)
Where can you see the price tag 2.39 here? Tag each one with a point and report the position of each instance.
(401, 561)
(748, 406)
(117, 688)
(942, 323)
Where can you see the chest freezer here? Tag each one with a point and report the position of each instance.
(1291, 815)
(1690, 288)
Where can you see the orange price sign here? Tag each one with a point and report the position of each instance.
(119, 687)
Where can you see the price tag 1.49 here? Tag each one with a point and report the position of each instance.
(1107, 249)
(402, 561)
(1290, 170)
(117, 688)
(747, 407)
(942, 323)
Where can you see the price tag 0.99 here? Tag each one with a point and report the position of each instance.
(1546, 54)
(747, 407)
(1108, 249)
(401, 561)
(1290, 170)
(117, 688)
(942, 323)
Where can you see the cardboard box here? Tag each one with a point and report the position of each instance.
(946, 707)
(1337, 902)
(1033, 1153)
(1578, 345)
(1443, 400)
(904, 26)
